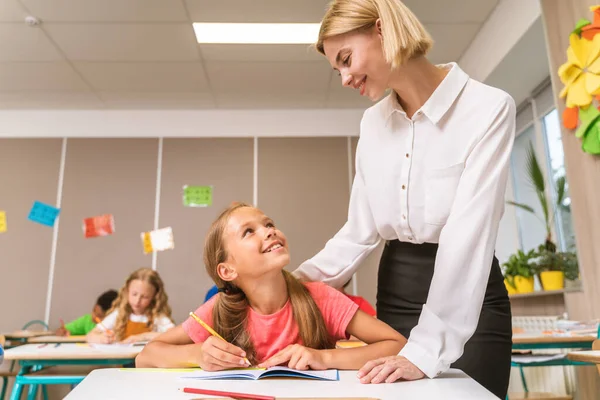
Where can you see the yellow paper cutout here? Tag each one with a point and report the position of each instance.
(581, 73)
(3, 221)
(147, 242)
(158, 240)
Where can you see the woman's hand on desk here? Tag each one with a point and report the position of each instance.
(216, 354)
(389, 369)
(298, 357)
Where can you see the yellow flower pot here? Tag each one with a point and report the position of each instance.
(509, 288)
(524, 285)
(552, 280)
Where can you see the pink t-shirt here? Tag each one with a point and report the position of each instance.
(273, 333)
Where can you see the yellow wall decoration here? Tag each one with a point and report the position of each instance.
(581, 77)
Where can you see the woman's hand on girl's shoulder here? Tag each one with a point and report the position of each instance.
(298, 357)
(215, 355)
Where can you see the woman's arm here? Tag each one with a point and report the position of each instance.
(343, 253)
(381, 341)
(175, 349)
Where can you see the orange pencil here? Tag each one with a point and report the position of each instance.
(211, 330)
(97, 321)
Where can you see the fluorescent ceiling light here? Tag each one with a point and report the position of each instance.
(256, 33)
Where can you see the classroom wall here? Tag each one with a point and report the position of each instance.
(303, 183)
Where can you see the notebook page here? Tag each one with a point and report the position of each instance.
(241, 373)
(328, 374)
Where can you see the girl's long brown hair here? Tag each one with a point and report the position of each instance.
(230, 310)
(158, 307)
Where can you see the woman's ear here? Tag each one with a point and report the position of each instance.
(226, 272)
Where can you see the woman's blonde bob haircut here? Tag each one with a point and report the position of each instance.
(404, 37)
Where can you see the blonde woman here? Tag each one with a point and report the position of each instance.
(431, 171)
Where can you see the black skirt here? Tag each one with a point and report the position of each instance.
(405, 273)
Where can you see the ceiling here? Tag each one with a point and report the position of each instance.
(140, 54)
(528, 60)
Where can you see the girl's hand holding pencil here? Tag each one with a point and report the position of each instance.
(106, 337)
(217, 354)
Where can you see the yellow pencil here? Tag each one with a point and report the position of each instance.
(211, 330)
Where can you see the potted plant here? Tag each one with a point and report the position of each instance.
(519, 272)
(554, 267)
(551, 265)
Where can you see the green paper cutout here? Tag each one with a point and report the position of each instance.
(587, 116)
(591, 141)
(580, 24)
(197, 196)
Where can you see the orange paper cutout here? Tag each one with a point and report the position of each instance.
(102, 225)
(589, 31)
(571, 117)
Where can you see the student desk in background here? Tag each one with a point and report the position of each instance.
(587, 356)
(130, 384)
(532, 341)
(539, 341)
(18, 337)
(57, 339)
(33, 357)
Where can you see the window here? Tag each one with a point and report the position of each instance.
(532, 232)
(538, 124)
(556, 169)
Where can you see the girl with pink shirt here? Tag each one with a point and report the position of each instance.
(263, 312)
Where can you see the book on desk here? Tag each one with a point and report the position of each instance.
(261, 373)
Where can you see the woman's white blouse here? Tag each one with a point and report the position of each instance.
(439, 177)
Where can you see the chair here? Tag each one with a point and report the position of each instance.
(36, 322)
(34, 388)
(5, 374)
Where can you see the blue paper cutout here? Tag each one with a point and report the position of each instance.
(43, 214)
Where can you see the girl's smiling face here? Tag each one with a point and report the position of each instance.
(254, 246)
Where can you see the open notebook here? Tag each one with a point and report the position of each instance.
(261, 373)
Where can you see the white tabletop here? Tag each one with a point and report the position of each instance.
(160, 384)
(71, 351)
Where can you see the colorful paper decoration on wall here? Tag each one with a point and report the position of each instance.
(102, 225)
(44, 214)
(581, 77)
(158, 240)
(3, 227)
(197, 196)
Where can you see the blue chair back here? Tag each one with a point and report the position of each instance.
(36, 322)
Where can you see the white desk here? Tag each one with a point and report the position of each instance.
(131, 384)
(33, 356)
